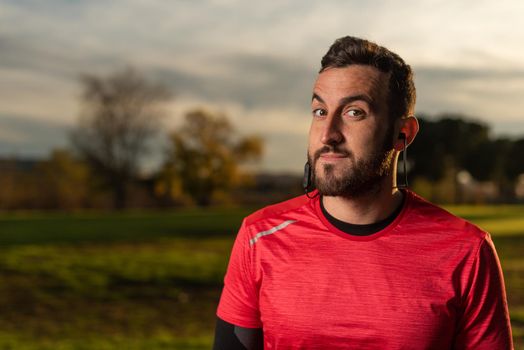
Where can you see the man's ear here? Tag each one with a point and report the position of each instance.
(407, 132)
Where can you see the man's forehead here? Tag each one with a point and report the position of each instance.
(364, 78)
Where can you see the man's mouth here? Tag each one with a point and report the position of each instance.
(332, 156)
(328, 153)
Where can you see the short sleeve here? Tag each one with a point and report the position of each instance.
(239, 300)
(485, 320)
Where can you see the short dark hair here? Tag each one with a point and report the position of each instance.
(351, 50)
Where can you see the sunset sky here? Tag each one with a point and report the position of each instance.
(254, 61)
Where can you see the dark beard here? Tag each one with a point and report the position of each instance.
(364, 177)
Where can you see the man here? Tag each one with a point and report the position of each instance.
(359, 263)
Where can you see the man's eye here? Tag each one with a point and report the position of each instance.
(319, 112)
(355, 113)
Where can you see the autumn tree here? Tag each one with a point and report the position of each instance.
(120, 117)
(205, 156)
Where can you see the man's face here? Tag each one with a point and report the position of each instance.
(350, 139)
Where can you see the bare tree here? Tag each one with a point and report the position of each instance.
(120, 116)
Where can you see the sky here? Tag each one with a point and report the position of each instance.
(254, 61)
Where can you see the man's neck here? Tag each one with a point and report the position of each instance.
(365, 209)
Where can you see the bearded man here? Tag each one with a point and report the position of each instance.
(357, 262)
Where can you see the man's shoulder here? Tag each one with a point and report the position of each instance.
(427, 213)
(278, 210)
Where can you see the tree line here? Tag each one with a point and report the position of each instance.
(121, 118)
(451, 145)
(120, 121)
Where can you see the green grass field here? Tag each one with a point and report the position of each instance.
(151, 280)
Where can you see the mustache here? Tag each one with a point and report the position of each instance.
(330, 149)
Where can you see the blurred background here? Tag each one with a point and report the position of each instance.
(135, 136)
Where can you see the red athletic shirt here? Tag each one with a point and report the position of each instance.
(429, 280)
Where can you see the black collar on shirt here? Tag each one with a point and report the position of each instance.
(362, 230)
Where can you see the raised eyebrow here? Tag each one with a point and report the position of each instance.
(348, 99)
(316, 97)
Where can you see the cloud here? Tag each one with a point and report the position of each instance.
(39, 96)
(27, 137)
(256, 60)
(250, 80)
(491, 95)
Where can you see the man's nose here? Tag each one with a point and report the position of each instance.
(331, 133)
